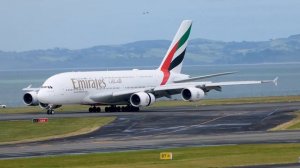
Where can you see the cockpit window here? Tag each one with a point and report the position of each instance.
(47, 87)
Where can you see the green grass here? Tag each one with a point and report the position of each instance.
(80, 108)
(25, 130)
(214, 156)
(294, 124)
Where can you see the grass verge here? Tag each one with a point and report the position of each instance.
(26, 131)
(294, 124)
(214, 156)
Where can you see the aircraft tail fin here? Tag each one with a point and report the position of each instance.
(173, 59)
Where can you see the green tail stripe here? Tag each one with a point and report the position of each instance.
(184, 37)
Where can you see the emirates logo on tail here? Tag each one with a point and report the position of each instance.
(176, 52)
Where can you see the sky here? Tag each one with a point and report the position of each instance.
(76, 24)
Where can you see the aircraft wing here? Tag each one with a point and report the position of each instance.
(174, 88)
(206, 86)
(242, 83)
(29, 88)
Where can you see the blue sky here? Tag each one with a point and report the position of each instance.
(76, 24)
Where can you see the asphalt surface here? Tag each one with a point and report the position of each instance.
(159, 128)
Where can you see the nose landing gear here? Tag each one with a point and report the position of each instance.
(50, 111)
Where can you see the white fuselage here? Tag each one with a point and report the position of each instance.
(77, 87)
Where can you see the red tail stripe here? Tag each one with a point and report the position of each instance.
(166, 77)
(169, 58)
(166, 64)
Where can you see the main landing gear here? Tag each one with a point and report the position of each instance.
(94, 109)
(114, 108)
(127, 108)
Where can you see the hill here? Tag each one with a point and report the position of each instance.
(150, 53)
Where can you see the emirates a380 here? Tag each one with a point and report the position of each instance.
(129, 90)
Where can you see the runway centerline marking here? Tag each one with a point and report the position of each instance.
(273, 112)
(131, 126)
(214, 119)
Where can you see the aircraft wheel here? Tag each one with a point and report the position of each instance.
(98, 109)
(50, 112)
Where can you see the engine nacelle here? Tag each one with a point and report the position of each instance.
(142, 99)
(30, 98)
(47, 106)
(192, 94)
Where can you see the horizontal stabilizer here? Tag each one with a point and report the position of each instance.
(203, 77)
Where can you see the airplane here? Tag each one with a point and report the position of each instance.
(128, 90)
(2, 106)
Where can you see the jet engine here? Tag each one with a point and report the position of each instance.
(142, 99)
(30, 98)
(192, 94)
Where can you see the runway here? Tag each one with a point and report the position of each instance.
(158, 128)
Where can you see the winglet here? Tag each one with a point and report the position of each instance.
(275, 81)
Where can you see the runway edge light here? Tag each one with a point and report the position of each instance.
(166, 156)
